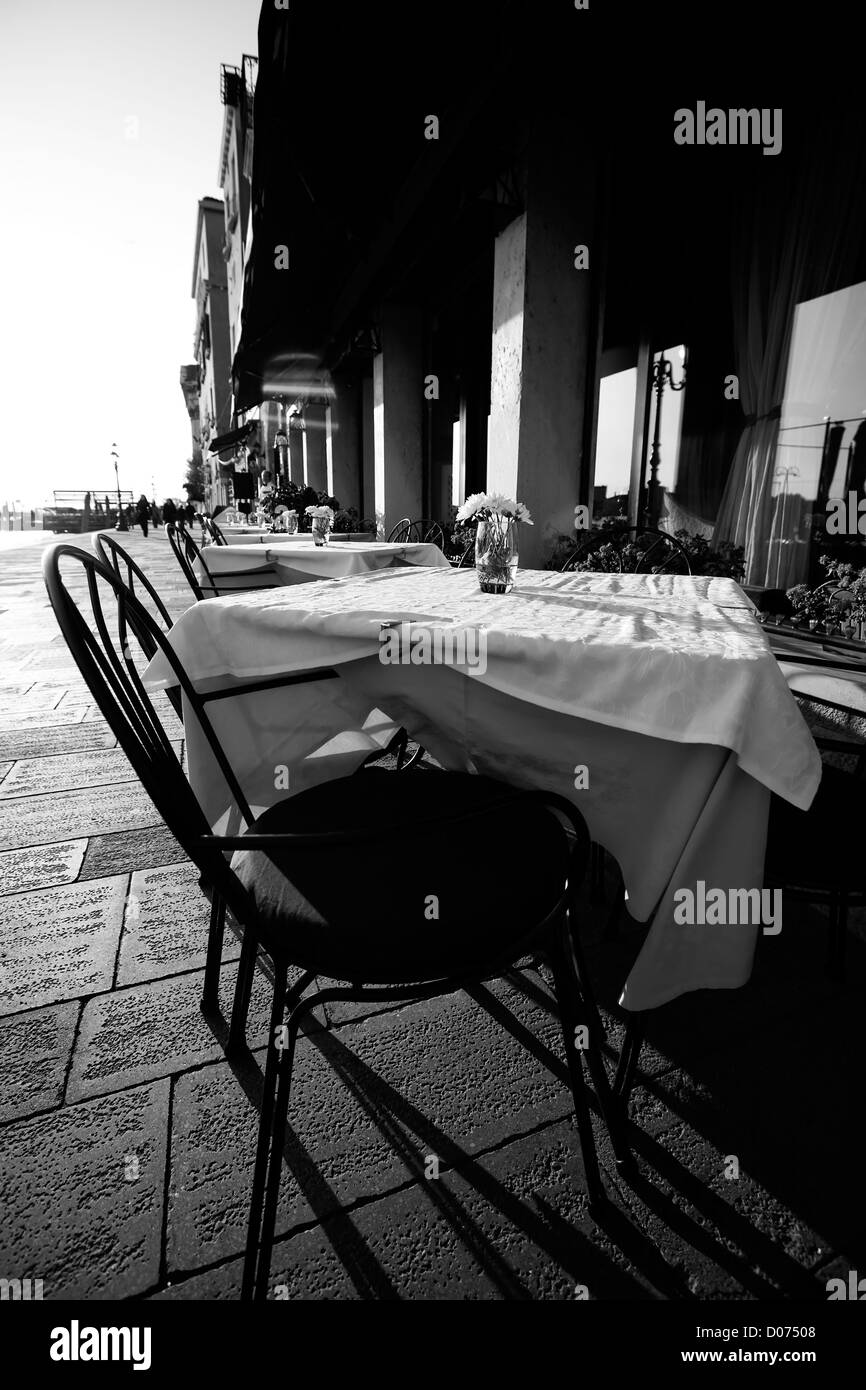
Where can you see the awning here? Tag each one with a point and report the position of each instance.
(230, 441)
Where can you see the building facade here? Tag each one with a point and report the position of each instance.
(212, 343)
(479, 274)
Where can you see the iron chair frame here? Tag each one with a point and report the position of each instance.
(215, 532)
(186, 553)
(596, 539)
(112, 553)
(110, 673)
(420, 532)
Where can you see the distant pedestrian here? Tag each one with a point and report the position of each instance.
(129, 513)
(169, 511)
(142, 514)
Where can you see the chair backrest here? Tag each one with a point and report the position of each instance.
(419, 532)
(187, 553)
(629, 550)
(215, 531)
(110, 635)
(112, 553)
(400, 529)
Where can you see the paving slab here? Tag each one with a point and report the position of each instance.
(166, 926)
(38, 743)
(34, 1056)
(68, 772)
(41, 866)
(83, 1196)
(135, 1035)
(5, 769)
(513, 1224)
(59, 943)
(40, 820)
(33, 700)
(434, 1078)
(127, 851)
(42, 719)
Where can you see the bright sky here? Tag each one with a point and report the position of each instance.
(97, 231)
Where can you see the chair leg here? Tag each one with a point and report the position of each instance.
(843, 936)
(611, 1110)
(629, 1058)
(611, 926)
(273, 1063)
(569, 1015)
(412, 760)
(838, 937)
(275, 1167)
(243, 992)
(210, 993)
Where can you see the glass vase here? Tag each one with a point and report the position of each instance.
(321, 530)
(291, 523)
(496, 554)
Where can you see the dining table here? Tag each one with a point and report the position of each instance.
(652, 702)
(300, 561)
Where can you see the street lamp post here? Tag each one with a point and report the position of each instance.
(121, 519)
(663, 376)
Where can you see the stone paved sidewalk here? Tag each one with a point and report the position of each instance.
(126, 1139)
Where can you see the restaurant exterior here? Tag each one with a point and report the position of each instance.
(466, 275)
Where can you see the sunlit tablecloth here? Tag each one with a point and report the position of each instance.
(663, 687)
(294, 561)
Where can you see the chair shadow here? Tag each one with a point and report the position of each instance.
(397, 1119)
(761, 1266)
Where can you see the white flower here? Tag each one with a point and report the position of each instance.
(471, 506)
(485, 504)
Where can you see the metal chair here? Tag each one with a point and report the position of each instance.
(215, 532)
(814, 855)
(112, 553)
(418, 532)
(630, 550)
(290, 882)
(188, 555)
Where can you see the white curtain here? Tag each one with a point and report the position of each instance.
(789, 245)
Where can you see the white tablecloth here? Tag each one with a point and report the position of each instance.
(293, 561)
(666, 691)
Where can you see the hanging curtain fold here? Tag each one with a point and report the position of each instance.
(795, 241)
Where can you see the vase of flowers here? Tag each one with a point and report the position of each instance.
(322, 519)
(496, 545)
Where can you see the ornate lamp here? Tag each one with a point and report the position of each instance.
(662, 378)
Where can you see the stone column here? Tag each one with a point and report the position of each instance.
(315, 453)
(343, 445)
(296, 451)
(544, 341)
(398, 415)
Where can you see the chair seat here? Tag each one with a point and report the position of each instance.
(820, 848)
(407, 910)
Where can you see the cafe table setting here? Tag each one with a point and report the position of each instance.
(653, 702)
(299, 561)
